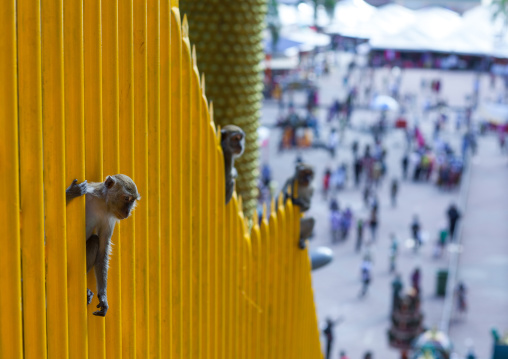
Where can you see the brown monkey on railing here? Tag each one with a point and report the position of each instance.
(301, 183)
(106, 203)
(233, 145)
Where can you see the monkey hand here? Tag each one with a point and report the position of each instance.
(76, 189)
(89, 296)
(103, 305)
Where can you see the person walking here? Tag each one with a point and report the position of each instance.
(359, 234)
(461, 297)
(326, 182)
(415, 232)
(415, 280)
(328, 332)
(405, 165)
(373, 223)
(394, 249)
(366, 276)
(453, 217)
(394, 189)
(397, 287)
(357, 170)
(335, 222)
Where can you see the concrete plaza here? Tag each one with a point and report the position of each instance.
(484, 257)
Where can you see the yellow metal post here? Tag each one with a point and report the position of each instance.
(154, 221)
(110, 113)
(141, 177)
(126, 121)
(176, 186)
(54, 178)
(197, 202)
(31, 159)
(11, 338)
(93, 144)
(165, 168)
(186, 189)
(75, 169)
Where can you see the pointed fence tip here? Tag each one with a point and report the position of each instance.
(185, 26)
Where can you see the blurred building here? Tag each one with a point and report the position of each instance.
(456, 5)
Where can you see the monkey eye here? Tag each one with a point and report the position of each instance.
(127, 198)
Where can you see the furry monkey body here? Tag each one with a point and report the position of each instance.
(106, 203)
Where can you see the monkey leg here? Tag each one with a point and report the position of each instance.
(92, 248)
(306, 227)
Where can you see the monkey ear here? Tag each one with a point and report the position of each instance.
(109, 182)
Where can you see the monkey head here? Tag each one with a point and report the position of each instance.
(304, 174)
(233, 140)
(121, 195)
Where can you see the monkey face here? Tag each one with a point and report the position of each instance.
(122, 195)
(305, 174)
(233, 140)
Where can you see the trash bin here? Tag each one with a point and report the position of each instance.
(441, 278)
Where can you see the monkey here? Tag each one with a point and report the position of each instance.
(106, 203)
(303, 177)
(304, 174)
(233, 145)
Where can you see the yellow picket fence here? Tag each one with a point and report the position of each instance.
(91, 88)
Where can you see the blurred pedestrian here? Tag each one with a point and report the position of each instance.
(394, 250)
(415, 280)
(326, 182)
(357, 170)
(359, 234)
(461, 297)
(333, 141)
(415, 232)
(335, 223)
(366, 277)
(368, 355)
(328, 332)
(345, 223)
(453, 217)
(397, 287)
(394, 189)
(405, 164)
(373, 223)
(343, 355)
(354, 149)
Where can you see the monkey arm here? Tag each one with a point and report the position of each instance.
(75, 190)
(101, 271)
(230, 187)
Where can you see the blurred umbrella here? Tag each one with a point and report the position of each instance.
(320, 257)
(384, 103)
(496, 112)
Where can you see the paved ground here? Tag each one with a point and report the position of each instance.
(336, 286)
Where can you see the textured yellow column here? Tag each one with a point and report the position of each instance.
(94, 148)
(31, 159)
(176, 188)
(165, 167)
(154, 221)
(186, 189)
(110, 116)
(228, 35)
(54, 178)
(126, 116)
(75, 168)
(141, 177)
(11, 337)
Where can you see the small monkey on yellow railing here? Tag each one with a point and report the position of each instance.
(233, 145)
(106, 203)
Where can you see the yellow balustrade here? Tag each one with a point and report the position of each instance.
(93, 88)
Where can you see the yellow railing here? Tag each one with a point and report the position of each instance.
(91, 88)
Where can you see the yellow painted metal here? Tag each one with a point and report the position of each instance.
(111, 166)
(176, 179)
(11, 337)
(75, 169)
(190, 277)
(126, 122)
(141, 177)
(186, 189)
(54, 178)
(197, 201)
(31, 159)
(165, 168)
(154, 220)
(93, 144)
